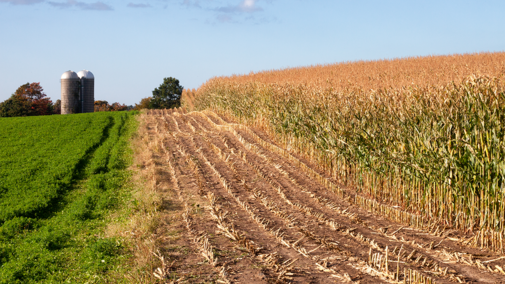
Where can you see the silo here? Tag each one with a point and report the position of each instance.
(87, 90)
(70, 84)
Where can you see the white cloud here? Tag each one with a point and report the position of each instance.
(248, 3)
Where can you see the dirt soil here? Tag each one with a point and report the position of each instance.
(238, 212)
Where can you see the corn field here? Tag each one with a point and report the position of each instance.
(425, 135)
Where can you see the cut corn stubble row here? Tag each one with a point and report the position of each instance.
(276, 233)
(163, 273)
(272, 261)
(201, 240)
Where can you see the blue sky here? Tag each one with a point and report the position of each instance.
(132, 45)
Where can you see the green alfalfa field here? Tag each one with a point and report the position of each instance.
(64, 179)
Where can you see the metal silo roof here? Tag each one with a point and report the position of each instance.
(85, 74)
(69, 75)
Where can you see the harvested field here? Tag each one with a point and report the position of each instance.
(247, 211)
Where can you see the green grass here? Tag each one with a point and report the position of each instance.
(61, 180)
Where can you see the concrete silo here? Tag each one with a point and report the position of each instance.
(70, 84)
(87, 91)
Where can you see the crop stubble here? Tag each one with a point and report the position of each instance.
(255, 213)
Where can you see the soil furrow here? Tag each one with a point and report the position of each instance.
(232, 264)
(264, 234)
(178, 257)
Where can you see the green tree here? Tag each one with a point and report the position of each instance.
(167, 95)
(13, 106)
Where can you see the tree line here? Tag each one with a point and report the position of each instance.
(30, 100)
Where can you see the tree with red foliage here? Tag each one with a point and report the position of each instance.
(101, 106)
(118, 107)
(34, 94)
(28, 100)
